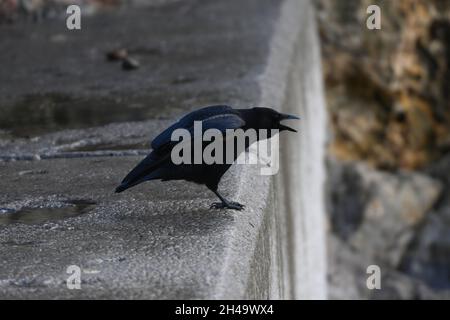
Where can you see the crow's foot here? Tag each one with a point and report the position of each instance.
(227, 205)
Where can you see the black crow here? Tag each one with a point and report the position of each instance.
(159, 163)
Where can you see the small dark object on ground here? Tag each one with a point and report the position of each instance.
(158, 165)
(130, 64)
(117, 55)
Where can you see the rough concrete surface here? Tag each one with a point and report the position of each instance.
(72, 124)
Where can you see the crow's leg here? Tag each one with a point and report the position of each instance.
(225, 203)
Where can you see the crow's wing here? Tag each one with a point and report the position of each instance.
(143, 171)
(221, 122)
(187, 122)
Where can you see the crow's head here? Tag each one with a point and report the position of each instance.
(268, 118)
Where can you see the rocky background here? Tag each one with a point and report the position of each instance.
(388, 96)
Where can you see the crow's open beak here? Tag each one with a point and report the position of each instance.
(287, 117)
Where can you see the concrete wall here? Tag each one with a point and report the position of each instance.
(161, 240)
(295, 64)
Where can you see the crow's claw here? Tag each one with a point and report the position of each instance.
(228, 205)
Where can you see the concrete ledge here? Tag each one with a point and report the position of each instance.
(160, 240)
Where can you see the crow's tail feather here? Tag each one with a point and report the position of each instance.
(126, 185)
(144, 171)
(121, 188)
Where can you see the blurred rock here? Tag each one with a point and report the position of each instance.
(428, 257)
(377, 212)
(346, 199)
(347, 277)
(397, 285)
(346, 271)
(391, 85)
(388, 99)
